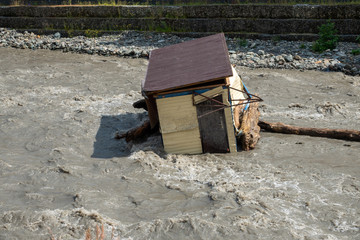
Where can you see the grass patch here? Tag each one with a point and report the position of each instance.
(91, 33)
(356, 51)
(275, 40)
(242, 42)
(327, 38)
(161, 27)
(358, 39)
(70, 29)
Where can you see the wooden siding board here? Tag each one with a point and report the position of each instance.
(236, 82)
(185, 142)
(176, 114)
(229, 123)
(179, 125)
(188, 63)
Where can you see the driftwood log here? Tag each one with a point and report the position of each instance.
(136, 133)
(350, 135)
(140, 104)
(250, 126)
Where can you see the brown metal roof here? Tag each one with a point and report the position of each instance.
(188, 63)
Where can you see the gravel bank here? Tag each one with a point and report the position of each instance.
(274, 54)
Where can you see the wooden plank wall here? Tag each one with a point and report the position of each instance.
(179, 125)
(236, 82)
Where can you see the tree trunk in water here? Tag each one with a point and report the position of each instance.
(350, 135)
(140, 104)
(249, 127)
(138, 133)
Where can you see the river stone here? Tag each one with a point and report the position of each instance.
(326, 62)
(279, 58)
(255, 59)
(340, 55)
(297, 57)
(57, 35)
(289, 58)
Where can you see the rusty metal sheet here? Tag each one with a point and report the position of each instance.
(189, 63)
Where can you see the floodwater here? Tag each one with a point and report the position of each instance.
(62, 171)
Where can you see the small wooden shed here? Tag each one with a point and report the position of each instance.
(191, 91)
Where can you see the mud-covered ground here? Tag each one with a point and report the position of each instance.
(62, 171)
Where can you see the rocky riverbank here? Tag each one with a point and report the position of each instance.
(275, 54)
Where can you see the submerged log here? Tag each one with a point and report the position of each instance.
(350, 135)
(250, 131)
(140, 104)
(137, 133)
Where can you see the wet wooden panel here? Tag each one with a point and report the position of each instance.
(212, 127)
(177, 114)
(184, 142)
(236, 82)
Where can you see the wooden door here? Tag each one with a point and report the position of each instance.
(212, 127)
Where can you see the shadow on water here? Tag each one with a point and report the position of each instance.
(105, 145)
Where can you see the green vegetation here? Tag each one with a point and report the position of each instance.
(92, 33)
(302, 46)
(275, 40)
(356, 51)
(242, 42)
(358, 39)
(107, 3)
(161, 27)
(69, 29)
(327, 38)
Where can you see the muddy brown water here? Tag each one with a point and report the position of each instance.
(62, 172)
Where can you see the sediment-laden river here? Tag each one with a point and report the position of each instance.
(62, 171)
